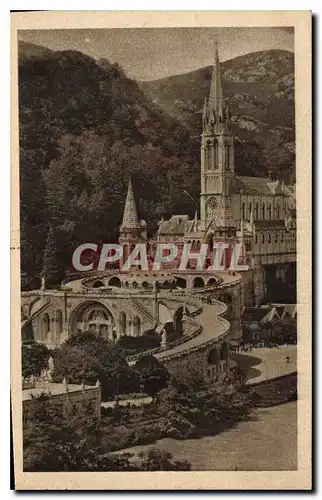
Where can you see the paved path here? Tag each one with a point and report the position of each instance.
(266, 363)
(213, 327)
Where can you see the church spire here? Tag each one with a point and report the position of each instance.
(130, 215)
(216, 116)
(216, 94)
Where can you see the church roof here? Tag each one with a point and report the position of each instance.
(258, 314)
(258, 186)
(130, 215)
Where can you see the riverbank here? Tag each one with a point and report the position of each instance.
(267, 441)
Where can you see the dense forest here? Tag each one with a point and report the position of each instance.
(85, 127)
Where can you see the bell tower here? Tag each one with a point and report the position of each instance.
(217, 157)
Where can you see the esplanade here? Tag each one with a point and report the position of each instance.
(193, 312)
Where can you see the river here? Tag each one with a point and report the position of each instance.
(267, 442)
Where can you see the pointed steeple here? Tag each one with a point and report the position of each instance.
(130, 215)
(216, 93)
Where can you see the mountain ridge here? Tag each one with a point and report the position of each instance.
(85, 127)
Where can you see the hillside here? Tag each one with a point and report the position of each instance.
(28, 50)
(84, 129)
(260, 90)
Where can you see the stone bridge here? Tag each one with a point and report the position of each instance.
(203, 318)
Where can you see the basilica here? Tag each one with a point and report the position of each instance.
(197, 314)
(257, 212)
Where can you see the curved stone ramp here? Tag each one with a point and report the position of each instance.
(270, 362)
(38, 307)
(214, 328)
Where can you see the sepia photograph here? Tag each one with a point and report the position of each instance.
(159, 223)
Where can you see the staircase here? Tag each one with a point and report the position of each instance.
(143, 311)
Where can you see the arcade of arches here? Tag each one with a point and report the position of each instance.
(217, 362)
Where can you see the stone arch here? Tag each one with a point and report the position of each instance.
(177, 321)
(213, 361)
(98, 284)
(59, 324)
(227, 299)
(115, 281)
(211, 281)
(224, 351)
(136, 326)
(181, 282)
(165, 314)
(213, 357)
(45, 327)
(122, 323)
(93, 316)
(198, 282)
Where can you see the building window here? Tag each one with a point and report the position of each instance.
(269, 212)
(282, 238)
(227, 159)
(250, 209)
(263, 211)
(256, 211)
(263, 238)
(269, 238)
(243, 210)
(256, 238)
(276, 238)
(278, 212)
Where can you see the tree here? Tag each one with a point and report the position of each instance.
(152, 374)
(155, 460)
(87, 357)
(34, 358)
(54, 443)
(53, 270)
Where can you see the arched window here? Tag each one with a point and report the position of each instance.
(208, 155)
(250, 208)
(243, 210)
(276, 238)
(269, 238)
(216, 146)
(136, 326)
(115, 281)
(256, 211)
(59, 323)
(282, 238)
(256, 238)
(263, 238)
(269, 211)
(122, 323)
(227, 157)
(45, 326)
(263, 211)
(278, 211)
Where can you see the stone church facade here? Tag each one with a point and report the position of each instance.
(257, 212)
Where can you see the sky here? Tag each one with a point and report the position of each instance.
(152, 53)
